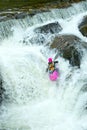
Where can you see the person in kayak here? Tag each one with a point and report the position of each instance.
(51, 65)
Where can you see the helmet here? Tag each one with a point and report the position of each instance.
(49, 60)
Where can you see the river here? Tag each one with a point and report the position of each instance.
(31, 100)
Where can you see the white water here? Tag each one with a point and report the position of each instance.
(34, 102)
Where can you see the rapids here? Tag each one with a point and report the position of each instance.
(31, 101)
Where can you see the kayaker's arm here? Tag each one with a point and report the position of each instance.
(55, 62)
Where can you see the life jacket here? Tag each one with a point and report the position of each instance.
(51, 67)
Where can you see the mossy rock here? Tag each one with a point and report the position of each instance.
(84, 30)
(83, 26)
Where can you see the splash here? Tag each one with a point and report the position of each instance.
(31, 100)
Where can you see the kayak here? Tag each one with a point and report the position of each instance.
(54, 75)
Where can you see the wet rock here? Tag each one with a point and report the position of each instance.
(70, 48)
(83, 26)
(20, 15)
(84, 88)
(1, 90)
(43, 34)
(12, 15)
(5, 16)
(84, 30)
(49, 28)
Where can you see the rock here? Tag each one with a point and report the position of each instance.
(20, 15)
(69, 46)
(43, 34)
(49, 28)
(83, 26)
(1, 89)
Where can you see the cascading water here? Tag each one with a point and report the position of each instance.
(31, 101)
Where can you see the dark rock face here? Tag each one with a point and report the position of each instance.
(69, 46)
(83, 26)
(49, 28)
(1, 90)
(20, 15)
(72, 55)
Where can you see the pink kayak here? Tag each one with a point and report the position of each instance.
(54, 76)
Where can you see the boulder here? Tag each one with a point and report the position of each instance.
(44, 33)
(70, 48)
(49, 28)
(83, 26)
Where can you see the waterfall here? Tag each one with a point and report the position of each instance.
(30, 100)
(41, 18)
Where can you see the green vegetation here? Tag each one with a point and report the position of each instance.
(7, 4)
